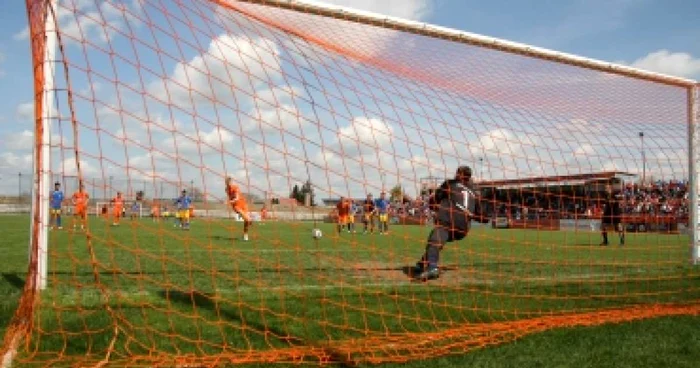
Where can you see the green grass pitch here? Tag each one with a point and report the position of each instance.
(194, 291)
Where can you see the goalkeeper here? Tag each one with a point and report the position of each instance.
(456, 205)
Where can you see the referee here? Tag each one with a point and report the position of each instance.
(612, 216)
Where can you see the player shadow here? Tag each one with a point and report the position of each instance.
(225, 238)
(198, 299)
(409, 271)
(583, 245)
(14, 280)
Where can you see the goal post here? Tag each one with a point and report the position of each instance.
(338, 111)
(45, 114)
(694, 170)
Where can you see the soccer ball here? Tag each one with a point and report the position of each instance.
(317, 234)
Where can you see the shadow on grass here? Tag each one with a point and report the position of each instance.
(203, 300)
(225, 238)
(14, 280)
(264, 270)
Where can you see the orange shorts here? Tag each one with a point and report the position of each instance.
(81, 211)
(118, 211)
(343, 219)
(242, 209)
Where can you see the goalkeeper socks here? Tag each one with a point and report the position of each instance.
(58, 220)
(433, 255)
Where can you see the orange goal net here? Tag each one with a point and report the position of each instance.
(286, 161)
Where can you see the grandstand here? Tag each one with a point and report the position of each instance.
(547, 202)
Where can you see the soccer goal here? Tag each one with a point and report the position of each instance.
(221, 102)
(130, 208)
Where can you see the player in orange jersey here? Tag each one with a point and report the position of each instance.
(155, 212)
(238, 204)
(263, 215)
(117, 210)
(80, 202)
(343, 208)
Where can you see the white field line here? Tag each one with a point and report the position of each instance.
(269, 250)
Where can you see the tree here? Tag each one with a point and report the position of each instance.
(295, 193)
(396, 193)
(197, 194)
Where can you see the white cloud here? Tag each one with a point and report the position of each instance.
(408, 9)
(498, 142)
(584, 150)
(187, 142)
(19, 141)
(344, 35)
(86, 22)
(364, 136)
(69, 168)
(79, 27)
(11, 160)
(675, 63)
(279, 95)
(25, 112)
(285, 118)
(22, 35)
(231, 68)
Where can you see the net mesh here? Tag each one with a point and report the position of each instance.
(299, 109)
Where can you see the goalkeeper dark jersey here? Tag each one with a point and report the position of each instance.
(612, 213)
(451, 203)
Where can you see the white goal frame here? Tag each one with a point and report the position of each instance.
(38, 246)
(692, 87)
(127, 207)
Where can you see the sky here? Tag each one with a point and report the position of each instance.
(391, 108)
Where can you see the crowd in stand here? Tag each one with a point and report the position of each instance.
(659, 198)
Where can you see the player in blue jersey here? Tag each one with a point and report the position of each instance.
(57, 198)
(135, 210)
(381, 205)
(183, 210)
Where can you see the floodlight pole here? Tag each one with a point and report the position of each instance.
(481, 168)
(694, 167)
(42, 152)
(644, 159)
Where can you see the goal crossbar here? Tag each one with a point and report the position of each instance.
(430, 30)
